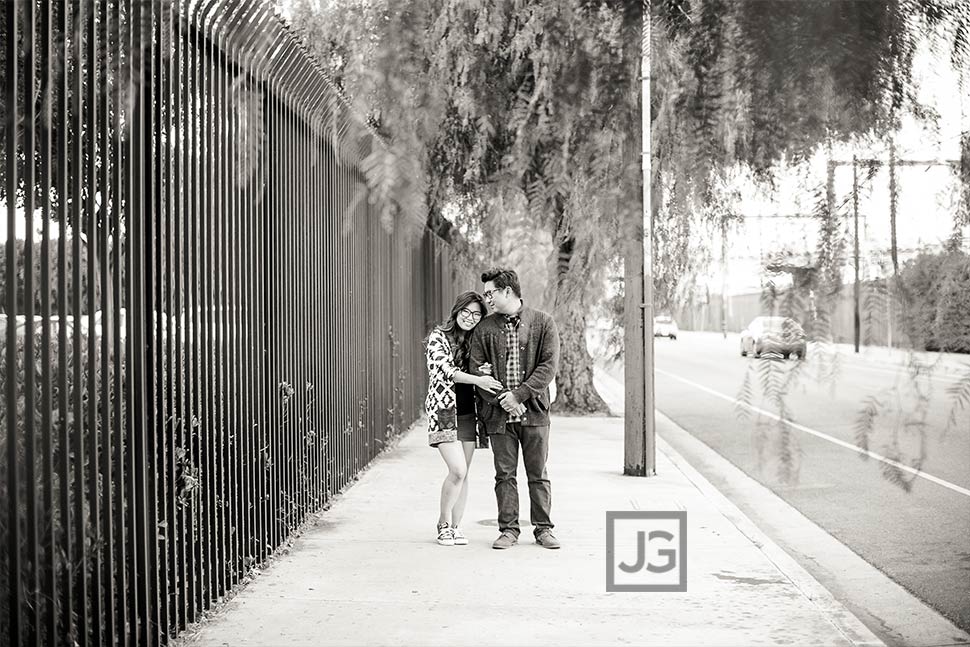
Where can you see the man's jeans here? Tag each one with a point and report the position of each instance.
(535, 450)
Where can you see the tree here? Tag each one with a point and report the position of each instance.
(502, 99)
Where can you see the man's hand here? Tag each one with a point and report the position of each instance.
(509, 403)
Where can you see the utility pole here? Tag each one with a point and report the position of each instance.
(892, 206)
(639, 446)
(857, 317)
(724, 275)
(892, 163)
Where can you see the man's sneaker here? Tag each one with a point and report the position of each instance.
(446, 536)
(546, 539)
(460, 539)
(505, 540)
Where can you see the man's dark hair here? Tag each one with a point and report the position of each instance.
(503, 278)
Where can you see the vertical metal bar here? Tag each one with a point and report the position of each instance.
(200, 526)
(336, 320)
(309, 344)
(334, 298)
(48, 631)
(199, 529)
(16, 595)
(64, 462)
(184, 312)
(327, 329)
(120, 501)
(259, 266)
(243, 429)
(321, 333)
(277, 315)
(249, 229)
(295, 190)
(314, 286)
(165, 174)
(346, 333)
(198, 504)
(360, 324)
(271, 401)
(77, 387)
(319, 318)
(299, 251)
(232, 360)
(108, 372)
(247, 427)
(230, 492)
(181, 289)
(346, 468)
(143, 330)
(131, 418)
(203, 336)
(31, 573)
(223, 523)
(173, 313)
(192, 243)
(91, 362)
(288, 371)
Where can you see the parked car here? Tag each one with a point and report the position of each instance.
(777, 335)
(665, 326)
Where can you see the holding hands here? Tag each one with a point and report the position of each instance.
(510, 404)
(490, 384)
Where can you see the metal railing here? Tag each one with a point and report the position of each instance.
(206, 330)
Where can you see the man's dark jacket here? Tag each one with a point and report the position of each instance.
(538, 357)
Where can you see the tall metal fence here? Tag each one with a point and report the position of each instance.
(207, 332)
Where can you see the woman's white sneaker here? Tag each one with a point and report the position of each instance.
(446, 536)
(459, 536)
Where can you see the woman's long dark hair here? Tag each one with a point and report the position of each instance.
(458, 337)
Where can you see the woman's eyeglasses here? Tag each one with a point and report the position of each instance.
(468, 314)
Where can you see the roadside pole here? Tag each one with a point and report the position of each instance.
(639, 423)
(857, 316)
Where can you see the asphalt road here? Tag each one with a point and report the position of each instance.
(914, 528)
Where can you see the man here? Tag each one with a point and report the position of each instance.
(522, 344)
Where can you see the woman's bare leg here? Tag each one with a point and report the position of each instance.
(451, 488)
(458, 511)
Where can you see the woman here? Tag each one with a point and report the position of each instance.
(453, 425)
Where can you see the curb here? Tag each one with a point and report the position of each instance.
(844, 621)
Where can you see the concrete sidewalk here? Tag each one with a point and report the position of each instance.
(370, 572)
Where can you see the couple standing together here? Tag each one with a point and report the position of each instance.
(488, 384)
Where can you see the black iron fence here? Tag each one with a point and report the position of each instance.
(206, 329)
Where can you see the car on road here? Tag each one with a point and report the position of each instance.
(776, 335)
(665, 326)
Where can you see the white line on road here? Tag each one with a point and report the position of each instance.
(823, 436)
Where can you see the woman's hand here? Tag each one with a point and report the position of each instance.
(488, 383)
(485, 369)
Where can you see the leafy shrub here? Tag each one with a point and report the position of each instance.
(936, 313)
(38, 290)
(951, 323)
(48, 382)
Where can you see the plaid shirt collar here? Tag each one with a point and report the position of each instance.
(515, 318)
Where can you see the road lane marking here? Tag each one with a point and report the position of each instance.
(823, 436)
